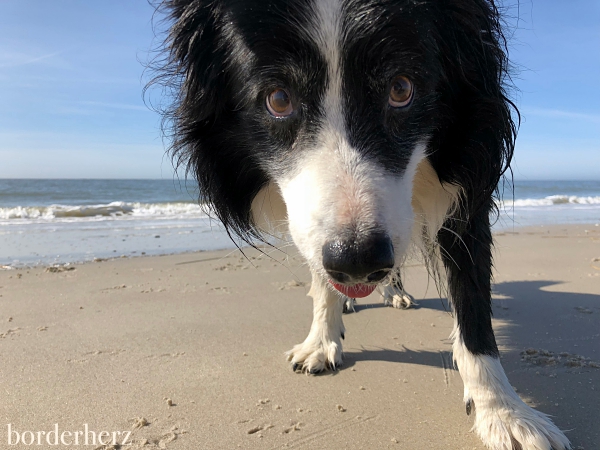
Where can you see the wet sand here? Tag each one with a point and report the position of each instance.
(187, 351)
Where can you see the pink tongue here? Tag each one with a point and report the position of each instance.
(356, 291)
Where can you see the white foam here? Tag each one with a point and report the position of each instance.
(110, 211)
(552, 200)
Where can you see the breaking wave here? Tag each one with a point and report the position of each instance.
(552, 200)
(110, 211)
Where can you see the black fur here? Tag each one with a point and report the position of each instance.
(212, 122)
(222, 58)
(455, 52)
(467, 256)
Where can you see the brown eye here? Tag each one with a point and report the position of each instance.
(279, 103)
(401, 92)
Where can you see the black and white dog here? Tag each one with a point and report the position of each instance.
(362, 128)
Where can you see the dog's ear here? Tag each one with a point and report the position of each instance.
(202, 119)
(474, 145)
(192, 64)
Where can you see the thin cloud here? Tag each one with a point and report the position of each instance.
(24, 60)
(116, 106)
(558, 113)
(88, 108)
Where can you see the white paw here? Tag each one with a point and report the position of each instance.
(349, 304)
(502, 420)
(514, 426)
(398, 298)
(316, 354)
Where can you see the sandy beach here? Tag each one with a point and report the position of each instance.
(187, 352)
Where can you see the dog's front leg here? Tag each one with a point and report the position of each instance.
(323, 346)
(502, 420)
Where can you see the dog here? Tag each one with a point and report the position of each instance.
(363, 128)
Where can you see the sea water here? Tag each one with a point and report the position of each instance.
(67, 221)
(530, 203)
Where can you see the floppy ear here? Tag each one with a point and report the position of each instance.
(203, 121)
(193, 64)
(474, 144)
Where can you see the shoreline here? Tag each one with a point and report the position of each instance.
(142, 254)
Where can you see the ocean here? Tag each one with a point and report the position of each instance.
(68, 221)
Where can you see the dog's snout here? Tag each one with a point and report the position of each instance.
(365, 260)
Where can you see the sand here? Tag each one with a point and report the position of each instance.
(187, 352)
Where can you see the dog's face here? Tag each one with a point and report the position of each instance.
(335, 105)
(345, 117)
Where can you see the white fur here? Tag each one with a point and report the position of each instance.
(432, 202)
(323, 346)
(334, 190)
(328, 35)
(501, 417)
(269, 212)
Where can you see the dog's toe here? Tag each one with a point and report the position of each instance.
(399, 301)
(403, 301)
(397, 298)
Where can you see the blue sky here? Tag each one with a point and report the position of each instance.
(71, 80)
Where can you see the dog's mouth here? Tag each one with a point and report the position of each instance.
(358, 290)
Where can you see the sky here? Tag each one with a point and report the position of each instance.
(72, 74)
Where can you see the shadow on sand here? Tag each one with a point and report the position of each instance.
(538, 316)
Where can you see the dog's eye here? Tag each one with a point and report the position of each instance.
(279, 103)
(401, 92)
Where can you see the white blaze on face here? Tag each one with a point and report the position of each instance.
(334, 189)
(328, 33)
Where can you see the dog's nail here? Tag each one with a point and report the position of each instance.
(469, 406)
(295, 367)
(343, 336)
(314, 371)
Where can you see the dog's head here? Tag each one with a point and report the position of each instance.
(341, 109)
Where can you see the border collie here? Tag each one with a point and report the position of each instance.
(362, 128)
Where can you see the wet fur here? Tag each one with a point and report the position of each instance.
(347, 165)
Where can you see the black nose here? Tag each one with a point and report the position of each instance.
(366, 260)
